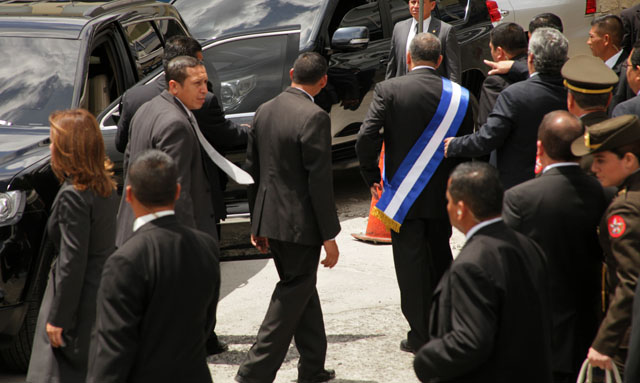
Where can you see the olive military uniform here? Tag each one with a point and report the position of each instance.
(620, 239)
(619, 236)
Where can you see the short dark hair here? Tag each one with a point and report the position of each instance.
(590, 101)
(545, 20)
(510, 37)
(153, 177)
(309, 68)
(478, 185)
(176, 69)
(425, 47)
(610, 25)
(557, 131)
(180, 45)
(635, 55)
(633, 148)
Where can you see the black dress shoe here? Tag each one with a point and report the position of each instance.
(324, 376)
(406, 347)
(216, 346)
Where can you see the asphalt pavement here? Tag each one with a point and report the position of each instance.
(359, 296)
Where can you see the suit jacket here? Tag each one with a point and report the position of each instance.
(632, 367)
(491, 88)
(163, 124)
(620, 241)
(512, 127)
(489, 314)
(631, 106)
(289, 157)
(561, 210)
(82, 228)
(219, 132)
(156, 307)
(450, 67)
(404, 106)
(631, 22)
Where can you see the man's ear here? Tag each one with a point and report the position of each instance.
(291, 74)
(409, 61)
(128, 194)
(539, 149)
(178, 187)
(173, 87)
(439, 59)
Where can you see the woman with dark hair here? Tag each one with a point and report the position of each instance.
(82, 228)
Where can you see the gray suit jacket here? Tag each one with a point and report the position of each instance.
(450, 67)
(631, 106)
(163, 124)
(289, 157)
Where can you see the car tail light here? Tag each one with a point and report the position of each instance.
(591, 7)
(494, 11)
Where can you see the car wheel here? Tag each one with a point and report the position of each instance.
(16, 357)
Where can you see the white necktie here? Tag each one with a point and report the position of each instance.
(237, 174)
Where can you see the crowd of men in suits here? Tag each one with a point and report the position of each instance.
(526, 300)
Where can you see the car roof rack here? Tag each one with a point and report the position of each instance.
(100, 9)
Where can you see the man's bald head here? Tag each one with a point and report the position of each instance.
(557, 131)
(425, 48)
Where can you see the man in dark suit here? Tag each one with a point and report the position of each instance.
(631, 21)
(512, 126)
(219, 132)
(156, 302)
(561, 210)
(166, 123)
(294, 214)
(517, 70)
(605, 41)
(507, 42)
(403, 107)
(490, 316)
(632, 105)
(403, 33)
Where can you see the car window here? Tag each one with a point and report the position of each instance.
(145, 45)
(32, 87)
(399, 10)
(208, 19)
(360, 13)
(250, 71)
(169, 28)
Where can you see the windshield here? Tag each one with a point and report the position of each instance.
(208, 19)
(36, 78)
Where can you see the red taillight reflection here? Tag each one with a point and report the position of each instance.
(494, 12)
(591, 7)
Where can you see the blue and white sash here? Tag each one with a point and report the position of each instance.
(423, 159)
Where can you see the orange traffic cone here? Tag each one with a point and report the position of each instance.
(376, 231)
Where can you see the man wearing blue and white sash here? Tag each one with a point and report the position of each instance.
(413, 114)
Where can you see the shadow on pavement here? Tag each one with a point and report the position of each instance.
(236, 274)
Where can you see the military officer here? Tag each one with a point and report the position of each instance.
(615, 145)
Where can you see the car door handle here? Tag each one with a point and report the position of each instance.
(384, 61)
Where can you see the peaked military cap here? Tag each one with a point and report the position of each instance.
(588, 75)
(607, 135)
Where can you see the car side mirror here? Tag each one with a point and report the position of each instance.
(350, 39)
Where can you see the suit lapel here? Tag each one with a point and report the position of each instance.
(434, 26)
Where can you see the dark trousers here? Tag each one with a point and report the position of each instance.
(294, 312)
(421, 254)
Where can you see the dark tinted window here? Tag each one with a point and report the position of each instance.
(453, 12)
(250, 71)
(36, 78)
(365, 15)
(169, 27)
(208, 19)
(399, 10)
(146, 46)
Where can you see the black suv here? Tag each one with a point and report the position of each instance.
(57, 55)
(354, 36)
